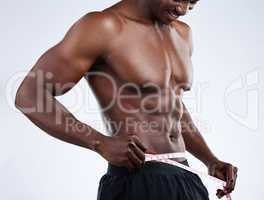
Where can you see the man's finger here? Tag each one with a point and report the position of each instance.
(134, 159)
(232, 182)
(230, 179)
(140, 154)
(235, 170)
(220, 193)
(139, 143)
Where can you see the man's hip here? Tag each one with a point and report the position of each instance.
(153, 181)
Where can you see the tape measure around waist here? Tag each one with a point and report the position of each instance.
(166, 158)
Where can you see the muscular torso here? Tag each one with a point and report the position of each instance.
(140, 82)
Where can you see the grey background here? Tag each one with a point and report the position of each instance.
(226, 100)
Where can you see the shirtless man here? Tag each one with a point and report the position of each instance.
(136, 57)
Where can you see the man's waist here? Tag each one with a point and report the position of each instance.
(154, 167)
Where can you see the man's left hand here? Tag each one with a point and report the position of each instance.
(225, 172)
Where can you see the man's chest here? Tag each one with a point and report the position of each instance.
(158, 57)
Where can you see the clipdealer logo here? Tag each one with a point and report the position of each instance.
(244, 92)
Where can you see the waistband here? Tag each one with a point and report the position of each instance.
(148, 167)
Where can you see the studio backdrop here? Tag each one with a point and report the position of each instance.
(226, 100)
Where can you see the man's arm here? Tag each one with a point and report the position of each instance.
(194, 142)
(66, 63)
(197, 146)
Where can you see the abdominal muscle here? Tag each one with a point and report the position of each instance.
(154, 118)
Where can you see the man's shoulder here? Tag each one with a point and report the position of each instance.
(184, 30)
(181, 26)
(100, 22)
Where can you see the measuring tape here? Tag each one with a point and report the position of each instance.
(166, 158)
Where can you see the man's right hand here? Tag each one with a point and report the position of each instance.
(123, 150)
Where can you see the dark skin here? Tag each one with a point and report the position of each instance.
(146, 51)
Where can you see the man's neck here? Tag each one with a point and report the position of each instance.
(139, 10)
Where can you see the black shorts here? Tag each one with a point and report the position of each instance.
(154, 181)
